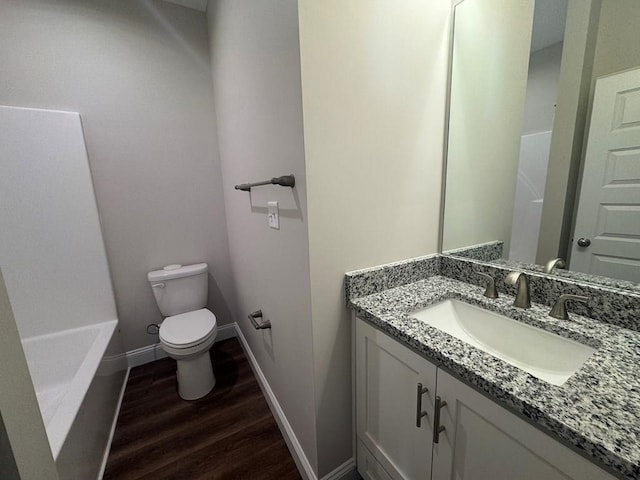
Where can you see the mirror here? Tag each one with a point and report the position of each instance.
(543, 146)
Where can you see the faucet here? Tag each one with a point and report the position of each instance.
(559, 310)
(490, 291)
(523, 297)
(554, 263)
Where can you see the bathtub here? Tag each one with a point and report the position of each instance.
(78, 376)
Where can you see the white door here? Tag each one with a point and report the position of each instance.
(390, 395)
(606, 239)
(483, 441)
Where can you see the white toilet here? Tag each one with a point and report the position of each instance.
(189, 330)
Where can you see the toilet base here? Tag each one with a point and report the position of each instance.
(195, 376)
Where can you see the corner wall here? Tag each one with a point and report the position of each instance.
(256, 78)
(373, 88)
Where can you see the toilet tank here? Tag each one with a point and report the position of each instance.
(180, 289)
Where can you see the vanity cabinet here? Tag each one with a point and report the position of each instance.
(393, 387)
(480, 440)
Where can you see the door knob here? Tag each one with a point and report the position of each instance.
(584, 242)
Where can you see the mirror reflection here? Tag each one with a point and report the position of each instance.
(543, 154)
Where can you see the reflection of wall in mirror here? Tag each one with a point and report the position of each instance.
(542, 91)
(489, 69)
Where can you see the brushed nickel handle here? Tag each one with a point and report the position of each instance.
(437, 428)
(258, 325)
(490, 291)
(559, 309)
(419, 412)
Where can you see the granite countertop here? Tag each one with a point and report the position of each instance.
(597, 410)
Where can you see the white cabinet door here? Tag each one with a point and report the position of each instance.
(388, 378)
(483, 441)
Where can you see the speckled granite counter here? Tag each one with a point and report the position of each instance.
(597, 410)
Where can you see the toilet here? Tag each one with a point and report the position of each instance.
(189, 329)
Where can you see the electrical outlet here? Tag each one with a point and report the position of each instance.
(273, 216)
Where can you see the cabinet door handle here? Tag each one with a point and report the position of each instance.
(437, 428)
(419, 412)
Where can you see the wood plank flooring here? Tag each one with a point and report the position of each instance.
(229, 434)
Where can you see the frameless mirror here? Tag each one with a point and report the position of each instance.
(543, 150)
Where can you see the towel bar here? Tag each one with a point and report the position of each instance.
(284, 181)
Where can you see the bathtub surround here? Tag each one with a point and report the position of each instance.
(138, 72)
(51, 247)
(58, 281)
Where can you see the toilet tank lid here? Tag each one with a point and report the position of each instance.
(186, 271)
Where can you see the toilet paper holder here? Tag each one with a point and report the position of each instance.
(258, 325)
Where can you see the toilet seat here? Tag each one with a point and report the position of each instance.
(189, 329)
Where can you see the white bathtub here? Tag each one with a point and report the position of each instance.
(78, 376)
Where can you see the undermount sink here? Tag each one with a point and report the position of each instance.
(544, 355)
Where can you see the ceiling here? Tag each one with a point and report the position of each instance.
(200, 5)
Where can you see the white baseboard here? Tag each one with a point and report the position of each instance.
(346, 471)
(299, 457)
(113, 426)
(151, 353)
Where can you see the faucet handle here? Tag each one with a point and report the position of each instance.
(554, 263)
(490, 291)
(559, 309)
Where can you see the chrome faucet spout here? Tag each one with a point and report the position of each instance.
(523, 297)
(554, 263)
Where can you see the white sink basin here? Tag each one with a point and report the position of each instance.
(544, 355)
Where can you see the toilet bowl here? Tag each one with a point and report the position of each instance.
(189, 330)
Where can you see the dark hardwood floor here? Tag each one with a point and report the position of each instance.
(229, 434)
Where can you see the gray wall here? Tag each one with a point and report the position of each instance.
(138, 72)
(542, 89)
(256, 73)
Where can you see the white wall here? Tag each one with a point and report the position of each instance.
(256, 73)
(138, 72)
(373, 88)
(490, 58)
